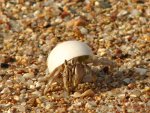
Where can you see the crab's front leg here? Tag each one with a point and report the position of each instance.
(91, 76)
(52, 77)
(67, 77)
(79, 73)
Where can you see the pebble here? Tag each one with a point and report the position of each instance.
(29, 82)
(9, 83)
(31, 101)
(102, 51)
(20, 79)
(146, 89)
(37, 93)
(32, 87)
(97, 3)
(49, 105)
(58, 20)
(135, 13)
(79, 22)
(38, 84)
(135, 93)
(131, 85)
(121, 95)
(28, 75)
(90, 105)
(21, 108)
(83, 30)
(36, 13)
(141, 71)
(5, 105)
(127, 80)
(77, 104)
(5, 90)
(4, 65)
(122, 13)
(38, 100)
(105, 4)
(16, 98)
(61, 110)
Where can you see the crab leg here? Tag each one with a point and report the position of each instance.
(67, 77)
(52, 77)
(79, 74)
(95, 61)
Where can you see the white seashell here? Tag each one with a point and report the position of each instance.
(67, 51)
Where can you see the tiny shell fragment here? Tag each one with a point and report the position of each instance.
(88, 92)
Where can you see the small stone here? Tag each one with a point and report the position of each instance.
(90, 105)
(4, 65)
(131, 85)
(32, 87)
(49, 105)
(29, 82)
(5, 91)
(80, 22)
(146, 89)
(127, 80)
(77, 104)
(21, 108)
(38, 100)
(34, 36)
(9, 83)
(122, 95)
(36, 13)
(38, 84)
(70, 108)
(87, 105)
(21, 79)
(143, 20)
(61, 110)
(105, 4)
(41, 58)
(36, 93)
(122, 13)
(141, 71)
(16, 98)
(31, 101)
(58, 20)
(102, 51)
(88, 92)
(135, 13)
(97, 3)
(28, 75)
(135, 93)
(83, 30)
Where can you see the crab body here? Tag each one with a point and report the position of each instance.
(73, 73)
(76, 71)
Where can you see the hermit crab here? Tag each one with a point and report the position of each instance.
(71, 60)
